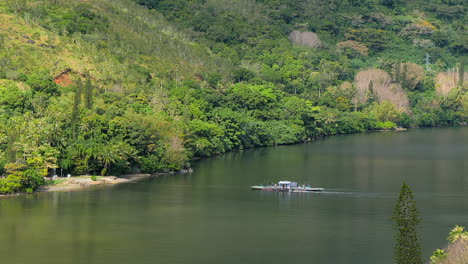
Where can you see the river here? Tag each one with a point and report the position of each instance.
(211, 216)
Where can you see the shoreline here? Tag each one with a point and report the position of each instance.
(84, 182)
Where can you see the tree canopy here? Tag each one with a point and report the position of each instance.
(113, 87)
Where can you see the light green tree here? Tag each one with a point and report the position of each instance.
(457, 250)
(457, 233)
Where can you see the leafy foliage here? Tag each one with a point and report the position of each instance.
(109, 87)
(457, 250)
(23, 177)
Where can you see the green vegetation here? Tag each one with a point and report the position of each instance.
(23, 177)
(406, 217)
(457, 250)
(54, 182)
(110, 87)
(62, 180)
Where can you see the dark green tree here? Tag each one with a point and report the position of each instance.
(42, 82)
(404, 76)
(397, 76)
(370, 92)
(461, 73)
(406, 218)
(390, 3)
(76, 105)
(12, 136)
(88, 93)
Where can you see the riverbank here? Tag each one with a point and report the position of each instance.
(86, 181)
(83, 182)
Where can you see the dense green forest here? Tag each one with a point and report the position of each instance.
(122, 86)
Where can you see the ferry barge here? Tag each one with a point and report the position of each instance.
(287, 186)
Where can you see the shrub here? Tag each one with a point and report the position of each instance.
(253, 96)
(384, 112)
(457, 250)
(426, 120)
(375, 39)
(423, 43)
(423, 28)
(353, 48)
(285, 133)
(81, 19)
(32, 179)
(151, 164)
(23, 176)
(243, 74)
(213, 78)
(386, 125)
(10, 184)
(42, 82)
(438, 256)
(405, 120)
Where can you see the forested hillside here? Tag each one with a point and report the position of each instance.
(112, 87)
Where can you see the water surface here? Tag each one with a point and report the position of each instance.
(211, 216)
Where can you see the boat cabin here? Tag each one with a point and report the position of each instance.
(286, 185)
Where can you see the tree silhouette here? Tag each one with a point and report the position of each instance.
(406, 218)
(88, 90)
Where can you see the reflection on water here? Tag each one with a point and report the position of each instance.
(211, 216)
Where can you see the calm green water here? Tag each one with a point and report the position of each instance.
(212, 216)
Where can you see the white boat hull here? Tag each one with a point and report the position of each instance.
(292, 189)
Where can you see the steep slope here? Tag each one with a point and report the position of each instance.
(82, 88)
(100, 87)
(105, 38)
(395, 30)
